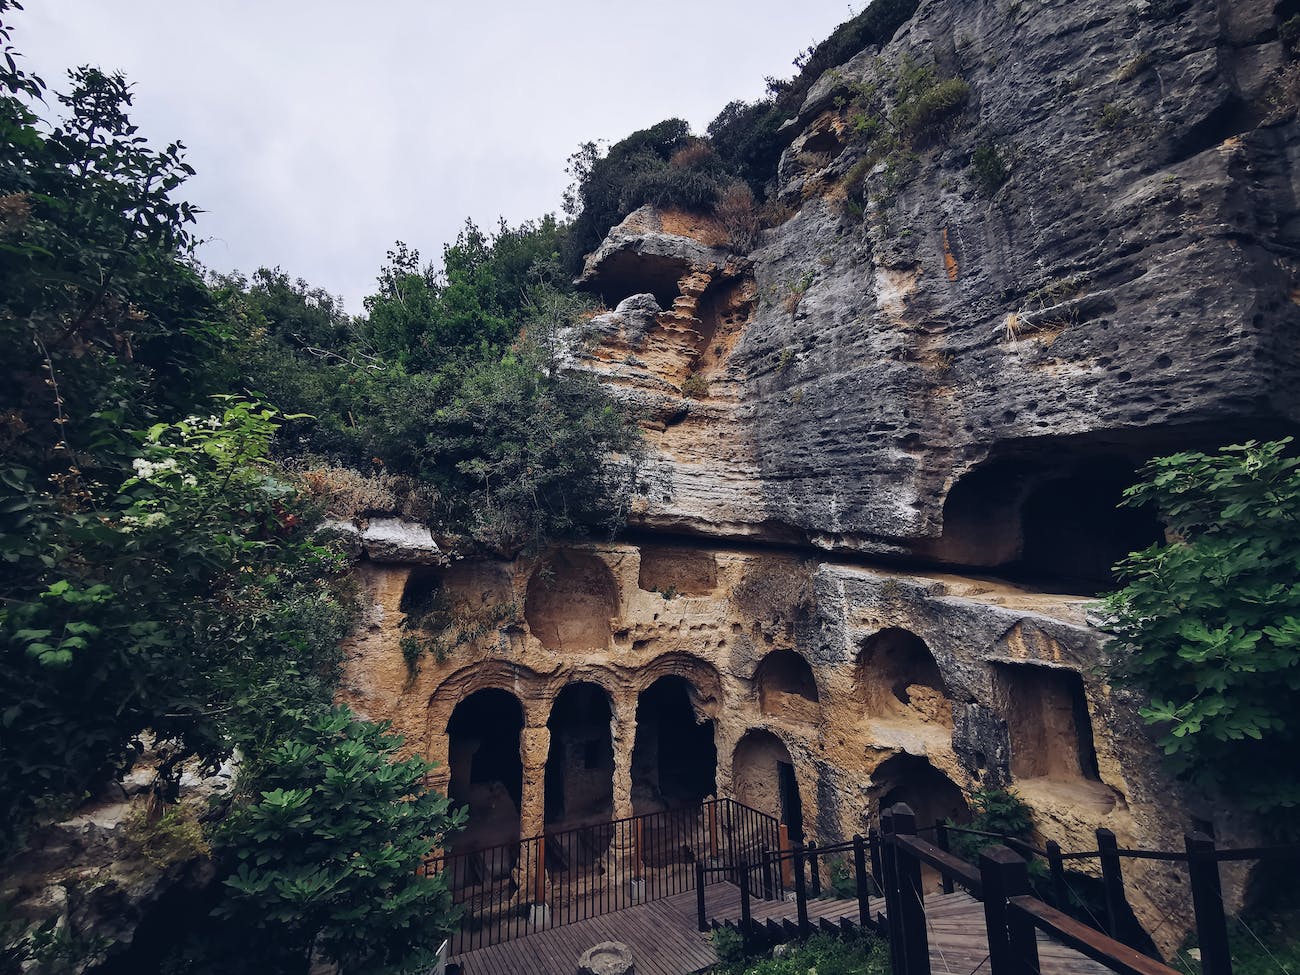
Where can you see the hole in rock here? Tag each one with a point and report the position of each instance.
(674, 758)
(628, 273)
(763, 778)
(786, 687)
(580, 765)
(680, 570)
(1048, 722)
(486, 771)
(422, 591)
(913, 780)
(897, 676)
(571, 601)
(1051, 520)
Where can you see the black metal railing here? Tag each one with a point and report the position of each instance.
(568, 875)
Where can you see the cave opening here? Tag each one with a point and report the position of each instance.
(1047, 721)
(911, 779)
(674, 758)
(422, 592)
(487, 772)
(1051, 521)
(763, 778)
(629, 272)
(786, 687)
(571, 602)
(580, 764)
(897, 676)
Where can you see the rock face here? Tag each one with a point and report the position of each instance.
(871, 685)
(951, 357)
(95, 876)
(931, 363)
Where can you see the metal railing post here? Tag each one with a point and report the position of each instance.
(699, 897)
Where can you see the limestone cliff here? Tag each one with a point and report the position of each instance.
(904, 375)
(947, 360)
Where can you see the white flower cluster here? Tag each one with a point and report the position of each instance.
(153, 519)
(147, 470)
(212, 422)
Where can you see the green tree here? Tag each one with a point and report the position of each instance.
(326, 848)
(1208, 625)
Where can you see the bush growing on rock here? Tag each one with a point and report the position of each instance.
(1208, 623)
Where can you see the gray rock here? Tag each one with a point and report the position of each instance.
(391, 540)
(607, 958)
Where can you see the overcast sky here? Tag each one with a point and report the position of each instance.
(323, 131)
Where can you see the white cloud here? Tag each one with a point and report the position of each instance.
(323, 131)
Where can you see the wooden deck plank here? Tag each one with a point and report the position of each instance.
(662, 934)
(664, 937)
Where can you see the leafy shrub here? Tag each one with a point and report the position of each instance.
(637, 170)
(695, 386)
(739, 214)
(729, 945)
(326, 847)
(999, 811)
(1114, 116)
(858, 954)
(932, 105)
(1208, 624)
(988, 170)
(748, 136)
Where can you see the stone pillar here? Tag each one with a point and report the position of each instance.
(623, 733)
(534, 747)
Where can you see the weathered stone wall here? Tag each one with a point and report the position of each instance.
(927, 374)
(941, 707)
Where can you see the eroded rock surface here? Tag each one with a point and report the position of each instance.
(910, 376)
(924, 371)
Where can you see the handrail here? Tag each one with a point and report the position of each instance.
(946, 863)
(1177, 856)
(1115, 955)
(561, 876)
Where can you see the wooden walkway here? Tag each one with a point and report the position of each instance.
(665, 940)
(959, 943)
(662, 934)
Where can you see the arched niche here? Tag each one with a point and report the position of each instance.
(580, 764)
(786, 687)
(674, 757)
(570, 602)
(911, 779)
(486, 769)
(763, 778)
(897, 677)
(1047, 722)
